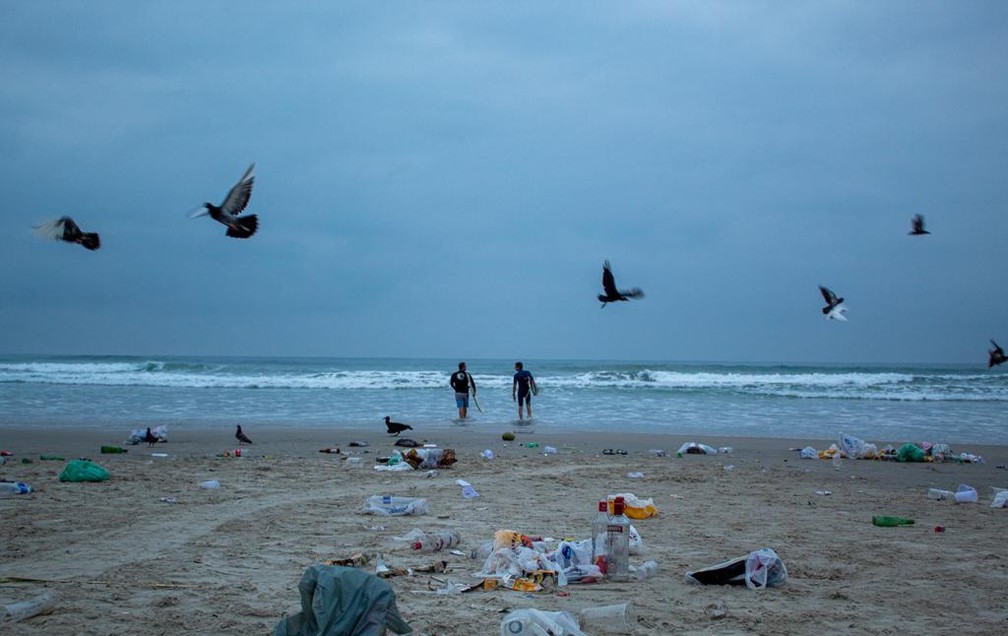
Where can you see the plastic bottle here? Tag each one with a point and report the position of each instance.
(939, 494)
(14, 488)
(598, 531)
(15, 612)
(436, 541)
(617, 544)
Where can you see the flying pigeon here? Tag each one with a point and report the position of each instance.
(834, 309)
(917, 226)
(242, 437)
(234, 203)
(997, 355)
(395, 428)
(64, 229)
(612, 294)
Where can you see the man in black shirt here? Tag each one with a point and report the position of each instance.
(462, 382)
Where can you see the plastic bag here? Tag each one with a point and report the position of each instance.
(83, 470)
(696, 448)
(533, 621)
(635, 508)
(764, 569)
(910, 453)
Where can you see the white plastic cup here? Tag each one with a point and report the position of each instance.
(608, 619)
(966, 494)
(15, 612)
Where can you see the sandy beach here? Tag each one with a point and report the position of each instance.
(122, 561)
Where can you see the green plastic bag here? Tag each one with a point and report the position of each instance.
(910, 453)
(83, 470)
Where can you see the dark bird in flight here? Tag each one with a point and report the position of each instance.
(150, 438)
(834, 309)
(997, 355)
(234, 203)
(612, 294)
(242, 437)
(395, 428)
(917, 226)
(64, 229)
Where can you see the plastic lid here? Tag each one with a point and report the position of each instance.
(618, 507)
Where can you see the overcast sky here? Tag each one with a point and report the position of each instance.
(446, 178)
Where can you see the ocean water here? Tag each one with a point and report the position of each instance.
(952, 404)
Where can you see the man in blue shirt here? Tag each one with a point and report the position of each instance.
(524, 386)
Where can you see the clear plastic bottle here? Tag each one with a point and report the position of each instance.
(598, 531)
(15, 612)
(617, 544)
(436, 541)
(14, 488)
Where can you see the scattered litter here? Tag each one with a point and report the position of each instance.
(823, 493)
(159, 454)
(1000, 497)
(715, 611)
(487, 454)
(635, 475)
(210, 484)
(407, 442)
(759, 569)
(169, 500)
(78, 470)
(390, 506)
(533, 621)
(729, 467)
(358, 444)
(14, 488)
(965, 494)
(657, 452)
(939, 494)
(15, 612)
(468, 492)
(138, 435)
(634, 506)
(616, 451)
(696, 448)
(549, 450)
(725, 450)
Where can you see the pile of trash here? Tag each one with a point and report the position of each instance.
(850, 447)
(140, 435)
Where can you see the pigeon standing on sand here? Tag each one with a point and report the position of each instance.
(234, 203)
(395, 428)
(612, 294)
(834, 309)
(64, 229)
(997, 355)
(242, 437)
(150, 438)
(917, 226)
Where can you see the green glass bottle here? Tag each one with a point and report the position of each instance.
(113, 449)
(886, 521)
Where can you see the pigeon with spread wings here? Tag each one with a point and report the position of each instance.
(612, 294)
(997, 355)
(234, 204)
(917, 226)
(834, 309)
(64, 229)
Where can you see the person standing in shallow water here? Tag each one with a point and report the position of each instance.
(524, 386)
(462, 382)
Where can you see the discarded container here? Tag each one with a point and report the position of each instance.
(41, 604)
(1000, 497)
(647, 570)
(887, 521)
(113, 450)
(211, 484)
(487, 454)
(608, 619)
(635, 475)
(726, 450)
(390, 506)
(468, 492)
(422, 541)
(534, 622)
(939, 494)
(14, 488)
(965, 494)
(549, 450)
(598, 531)
(617, 544)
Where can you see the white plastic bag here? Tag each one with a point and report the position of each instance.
(764, 569)
(539, 623)
(389, 506)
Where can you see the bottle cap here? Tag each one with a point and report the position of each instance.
(618, 506)
(603, 506)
